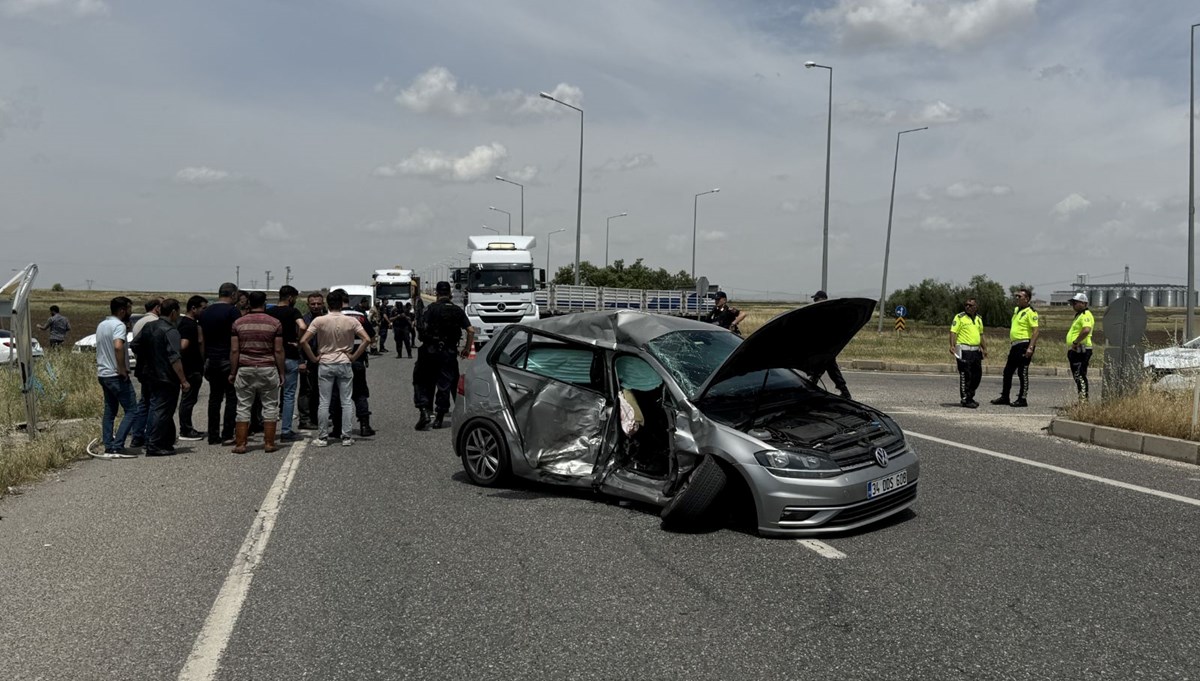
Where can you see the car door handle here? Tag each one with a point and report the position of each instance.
(518, 387)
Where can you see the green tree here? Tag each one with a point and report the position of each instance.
(621, 275)
(57, 288)
(936, 302)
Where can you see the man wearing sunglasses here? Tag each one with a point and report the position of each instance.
(969, 349)
(1023, 335)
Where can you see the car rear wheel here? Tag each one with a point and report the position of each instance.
(484, 454)
(692, 503)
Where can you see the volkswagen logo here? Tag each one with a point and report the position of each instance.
(501, 307)
(881, 456)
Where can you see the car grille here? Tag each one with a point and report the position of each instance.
(500, 318)
(874, 507)
(859, 454)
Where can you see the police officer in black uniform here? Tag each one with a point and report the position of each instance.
(436, 370)
(725, 316)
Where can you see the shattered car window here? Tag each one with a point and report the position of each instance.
(562, 363)
(692, 356)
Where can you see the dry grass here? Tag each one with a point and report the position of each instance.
(66, 387)
(1155, 412)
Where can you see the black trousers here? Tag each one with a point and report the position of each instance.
(311, 400)
(434, 376)
(383, 334)
(404, 337)
(187, 402)
(970, 373)
(1079, 365)
(1017, 364)
(160, 419)
(216, 372)
(835, 375)
(360, 395)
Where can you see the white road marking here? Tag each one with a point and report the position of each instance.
(821, 548)
(1059, 469)
(205, 659)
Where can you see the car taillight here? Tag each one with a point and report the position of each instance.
(462, 384)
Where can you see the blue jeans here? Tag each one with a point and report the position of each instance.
(141, 415)
(117, 392)
(291, 376)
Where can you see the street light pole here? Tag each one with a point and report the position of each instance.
(607, 226)
(491, 229)
(695, 205)
(1191, 289)
(887, 248)
(579, 203)
(548, 247)
(498, 210)
(828, 144)
(522, 200)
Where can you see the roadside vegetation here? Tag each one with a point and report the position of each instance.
(69, 408)
(1155, 412)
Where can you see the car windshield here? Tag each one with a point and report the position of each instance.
(393, 291)
(497, 278)
(692, 356)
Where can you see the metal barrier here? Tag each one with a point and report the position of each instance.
(562, 299)
(23, 342)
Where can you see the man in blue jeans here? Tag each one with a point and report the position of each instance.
(112, 370)
(293, 327)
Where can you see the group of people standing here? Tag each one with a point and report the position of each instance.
(969, 347)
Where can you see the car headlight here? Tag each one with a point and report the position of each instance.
(798, 463)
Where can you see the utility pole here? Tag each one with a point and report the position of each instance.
(237, 277)
(253, 283)
(268, 280)
(287, 277)
(89, 283)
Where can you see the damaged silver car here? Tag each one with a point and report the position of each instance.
(674, 413)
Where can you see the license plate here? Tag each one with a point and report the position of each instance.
(887, 484)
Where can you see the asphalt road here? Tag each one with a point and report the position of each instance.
(382, 561)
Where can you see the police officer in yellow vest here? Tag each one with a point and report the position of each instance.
(1079, 343)
(969, 349)
(1023, 335)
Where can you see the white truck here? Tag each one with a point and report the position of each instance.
(393, 286)
(501, 283)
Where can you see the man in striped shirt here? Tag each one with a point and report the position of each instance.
(256, 358)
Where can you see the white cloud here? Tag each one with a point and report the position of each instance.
(407, 221)
(714, 235)
(1069, 206)
(937, 112)
(480, 163)
(627, 162)
(789, 207)
(438, 91)
(943, 24)
(274, 231)
(971, 190)
(937, 223)
(203, 176)
(523, 175)
(59, 8)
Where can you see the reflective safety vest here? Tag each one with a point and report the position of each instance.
(1082, 319)
(968, 331)
(1023, 323)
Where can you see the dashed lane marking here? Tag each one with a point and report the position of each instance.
(1059, 469)
(205, 659)
(821, 548)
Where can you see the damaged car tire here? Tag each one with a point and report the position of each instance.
(692, 503)
(484, 454)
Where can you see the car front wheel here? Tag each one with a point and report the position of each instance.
(692, 503)
(484, 454)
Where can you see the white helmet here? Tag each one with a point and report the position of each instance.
(1079, 298)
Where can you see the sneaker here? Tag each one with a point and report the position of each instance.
(972, 404)
(347, 441)
(320, 442)
(1001, 400)
(1020, 402)
(137, 443)
(191, 435)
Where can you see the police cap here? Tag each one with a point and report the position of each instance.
(443, 288)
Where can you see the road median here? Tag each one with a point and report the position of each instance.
(1175, 449)
(909, 367)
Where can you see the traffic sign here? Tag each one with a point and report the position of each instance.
(901, 311)
(899, 323)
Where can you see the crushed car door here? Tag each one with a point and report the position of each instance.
(556, 390)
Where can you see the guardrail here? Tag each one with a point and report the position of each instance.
(563, 299)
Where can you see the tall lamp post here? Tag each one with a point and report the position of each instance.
(503, 179)
(828, 142)
(579, 203)
(695, 205)
(548, 246)
(498, 210)
(1191, 289)
(887, 247)
(491, 229)
(607, 226)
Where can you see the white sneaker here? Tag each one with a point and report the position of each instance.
(320, 442)
(347, 441)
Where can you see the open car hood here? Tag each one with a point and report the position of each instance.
(807, 338)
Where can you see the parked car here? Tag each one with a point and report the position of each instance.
(671, 411)
(8, 347)
(88, 343)
(1170, 360)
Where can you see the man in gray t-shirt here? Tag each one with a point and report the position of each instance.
(112, 371)
(58, 325)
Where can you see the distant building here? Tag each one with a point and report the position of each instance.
(1099, 295)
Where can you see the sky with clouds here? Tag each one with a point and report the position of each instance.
(148, 145)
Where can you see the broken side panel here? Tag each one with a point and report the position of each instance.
(561, 425)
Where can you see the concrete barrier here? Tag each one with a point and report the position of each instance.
(988, 370)
(1187, 451)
